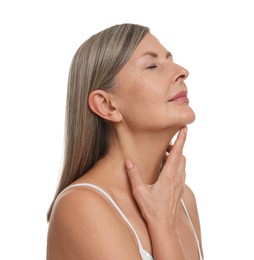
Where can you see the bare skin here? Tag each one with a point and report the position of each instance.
(83, 224)
(76, 226)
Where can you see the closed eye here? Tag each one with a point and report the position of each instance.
(152, 66)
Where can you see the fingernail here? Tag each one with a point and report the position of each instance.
(128, 164)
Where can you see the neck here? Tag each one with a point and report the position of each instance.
(145, 150)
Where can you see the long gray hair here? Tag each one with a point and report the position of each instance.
(94, 66)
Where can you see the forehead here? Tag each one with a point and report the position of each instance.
(149, 44)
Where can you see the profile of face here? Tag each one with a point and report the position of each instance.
(150, 91)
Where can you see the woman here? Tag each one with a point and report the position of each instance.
(119, 196)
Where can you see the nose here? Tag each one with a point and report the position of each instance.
(181, 73)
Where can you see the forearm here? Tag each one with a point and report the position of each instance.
(166, 243)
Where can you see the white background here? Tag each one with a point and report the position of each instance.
(212, 39)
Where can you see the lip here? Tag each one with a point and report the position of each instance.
(180, 96)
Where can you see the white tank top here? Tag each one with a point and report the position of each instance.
(144, 254)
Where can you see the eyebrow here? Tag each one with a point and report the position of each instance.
(155, 55)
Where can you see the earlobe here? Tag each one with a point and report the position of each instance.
(101, 103)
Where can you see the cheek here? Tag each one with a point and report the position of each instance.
(141, 99)
(135, 111)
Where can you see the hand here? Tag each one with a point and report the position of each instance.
(160, 201)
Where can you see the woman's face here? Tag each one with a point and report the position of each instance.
(150, 91)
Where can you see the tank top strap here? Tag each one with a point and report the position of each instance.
(193, 229)
(105, 194)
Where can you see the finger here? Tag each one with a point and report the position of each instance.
(181, 168)
(180, 140)
(177, 148)
(134, 175)
(174, 157)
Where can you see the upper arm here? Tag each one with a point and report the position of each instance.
(84, 226)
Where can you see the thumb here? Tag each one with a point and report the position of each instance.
(134, 175)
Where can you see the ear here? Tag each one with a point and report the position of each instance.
(102, 103)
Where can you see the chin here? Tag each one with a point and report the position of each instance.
(190, 118)
(187, 118)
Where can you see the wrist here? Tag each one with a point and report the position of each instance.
(166, 241)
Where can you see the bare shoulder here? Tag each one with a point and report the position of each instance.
(84, 225)
(190, 201)
(189, 196)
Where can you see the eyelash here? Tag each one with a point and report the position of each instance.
(153, 66)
